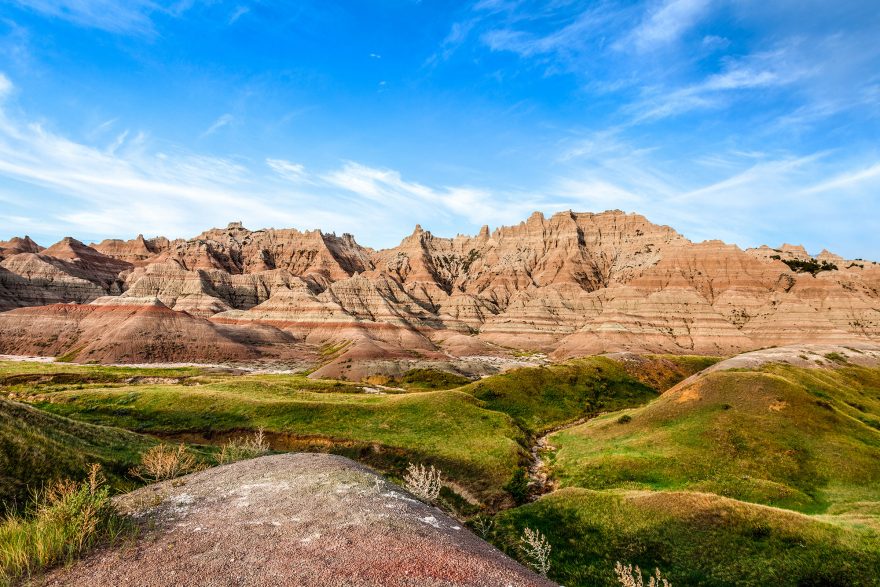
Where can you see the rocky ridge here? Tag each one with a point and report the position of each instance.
(570, 284)
(293, 519)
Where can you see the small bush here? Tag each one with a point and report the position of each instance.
(624, 419)
(632, 577)
(836, 357)
(483, 525)
(164, 462)
(811, 266)
(66, 519)
(518, 486)
(240, 449)
(423, 482)
(536, 550)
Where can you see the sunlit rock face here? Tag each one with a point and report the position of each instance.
(570, 284)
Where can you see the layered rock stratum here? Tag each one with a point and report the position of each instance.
(568, 285)
(308, 520)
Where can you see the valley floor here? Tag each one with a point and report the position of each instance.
(761, 469)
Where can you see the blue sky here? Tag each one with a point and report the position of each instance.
(750, 121)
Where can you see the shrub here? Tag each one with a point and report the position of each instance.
(239, 449)
(624, 419)
(836, 357)
(630, 577)
(536, 550)
(811, 266)
(483, 525)
(164, 462)
(66, 519)
(423, 482)
(518, 486)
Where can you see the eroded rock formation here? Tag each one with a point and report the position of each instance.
(570, 284)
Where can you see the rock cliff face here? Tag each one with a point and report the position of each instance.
(570, 284)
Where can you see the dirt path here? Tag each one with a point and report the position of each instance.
(540, 481)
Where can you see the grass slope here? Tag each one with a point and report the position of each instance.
(37, 447)
(694, 538)
(477, 447)
(782, 436)
(541, 398)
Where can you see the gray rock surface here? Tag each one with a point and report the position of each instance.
(292, 519)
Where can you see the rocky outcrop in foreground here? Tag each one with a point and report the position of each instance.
(571, 284)
(308, 520)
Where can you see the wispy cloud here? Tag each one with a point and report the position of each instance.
(5, 86)
(295, 172)
(848, 180)
(223, 120)
(238, 13)
(131, 16)
(666, 23)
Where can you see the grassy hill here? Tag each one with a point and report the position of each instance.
(783, 436)
(37, 447)
(695, 538)
(737, 477)
(542, 398)
(477, 447)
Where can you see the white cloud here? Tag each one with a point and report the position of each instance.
(130, 16)
(238, 13)
(292, 171)
(667, 22)
(847, 180)
(5, 86)
(222, 121)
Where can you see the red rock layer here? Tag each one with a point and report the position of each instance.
(569, 284)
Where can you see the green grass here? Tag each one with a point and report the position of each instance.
(676, 478)
(541, 398)
(37, 447)
(417, 379)
(765, 437)
(65, 520)
(474, 446)
(695, 539)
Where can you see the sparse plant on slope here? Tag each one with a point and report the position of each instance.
(536, 549)
(164, 462)
(423, 481)
(239, 449)
(483, 525)
(66, 519)
(632, 577)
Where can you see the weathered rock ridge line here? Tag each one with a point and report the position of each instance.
(571, 284)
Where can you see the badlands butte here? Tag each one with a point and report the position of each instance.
(569, 285)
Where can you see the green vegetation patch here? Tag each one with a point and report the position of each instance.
(694, 538)
(785, 436)
(422, 379)
(811, 266)
(37, 448)
(475, 446)
(542, 398)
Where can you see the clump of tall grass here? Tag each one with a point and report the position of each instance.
(423, 482)
(65, 519)
(536, 549)
(239, 449)
(163, 462)
(632, 577)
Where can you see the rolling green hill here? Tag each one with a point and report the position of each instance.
(37, 447)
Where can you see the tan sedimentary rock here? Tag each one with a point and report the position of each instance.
(570, 284)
